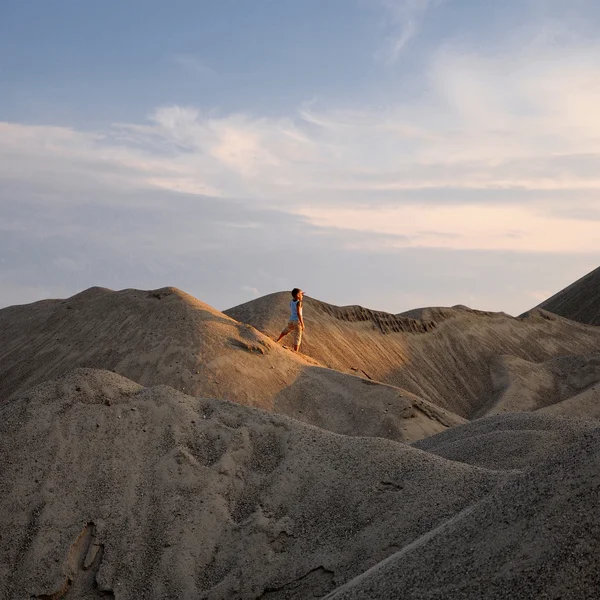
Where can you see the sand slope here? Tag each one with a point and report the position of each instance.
(149, 493)
(536, 536)
(448, 358)
(112, 490)
(168, 337)
(580, 301)
(508, 441)
(585, 403)
(520, 385)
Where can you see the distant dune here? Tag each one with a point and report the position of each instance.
(449, 357)
(527, 386)
(508, 441)
(580, 301)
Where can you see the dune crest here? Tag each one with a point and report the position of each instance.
(168, 337)
(450, 360)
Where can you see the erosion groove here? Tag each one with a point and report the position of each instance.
(388, 486)
(425, 410)
(360, 372)
(386, 323)
(255, 348)
(438, 314)
(280, 543)
(83, 563)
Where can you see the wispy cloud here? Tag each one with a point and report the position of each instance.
(492, 157)
(252, 291)
(193, 65)
(512, 227)
(402, 22)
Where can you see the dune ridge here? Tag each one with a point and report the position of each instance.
(168, 337)
(450, 361)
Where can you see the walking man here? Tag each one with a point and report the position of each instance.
(295, 325)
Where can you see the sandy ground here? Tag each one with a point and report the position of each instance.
(536, 536)
(508, 441)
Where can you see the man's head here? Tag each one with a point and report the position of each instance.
(297, 294)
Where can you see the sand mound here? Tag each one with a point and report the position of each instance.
(168, 337)
(537, 536)
(580, 301)
(506, 442)
(109, 489)
(520, 385)
(449, 359)
(586, 403)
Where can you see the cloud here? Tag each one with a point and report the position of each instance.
(402, 24)
(251, 290)
(185, 240)
(484, 189)
(193, 65)
(512, 228)
(502, 153)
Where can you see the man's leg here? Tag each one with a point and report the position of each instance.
(285, 332)
(297, 337)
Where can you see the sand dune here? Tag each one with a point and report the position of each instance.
(109, 489)
(520, 385)
(449, 357)
(508, 441)
(586, 403)
(168, 337)
(536, 536)
(165, 495)
(437, 314)
(121, 477)
(580, 301)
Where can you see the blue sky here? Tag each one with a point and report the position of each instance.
(393, 153)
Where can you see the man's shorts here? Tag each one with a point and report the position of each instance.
(294, 328)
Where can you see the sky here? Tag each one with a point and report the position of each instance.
(389, 153)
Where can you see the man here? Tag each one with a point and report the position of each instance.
(296, 322)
